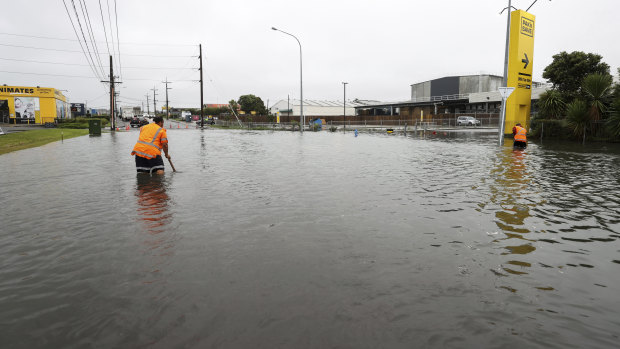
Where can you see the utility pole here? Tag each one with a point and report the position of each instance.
(154, 89)
(202, 119)
(111, 82)
(344, 108)
(112, 128)
(148, 111)
(167, 107)
(116, 107)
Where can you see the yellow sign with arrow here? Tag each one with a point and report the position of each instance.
(520, 62)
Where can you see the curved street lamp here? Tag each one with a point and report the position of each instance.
(302, 118)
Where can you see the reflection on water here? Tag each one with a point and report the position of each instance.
(512, 193)
(317, 240)
(158, 235)
(153, 202)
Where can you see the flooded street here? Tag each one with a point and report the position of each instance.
(283, 240)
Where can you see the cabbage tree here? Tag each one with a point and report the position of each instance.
(577, 118)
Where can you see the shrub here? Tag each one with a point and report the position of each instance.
(79, 123)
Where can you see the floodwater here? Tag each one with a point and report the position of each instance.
(321, 240)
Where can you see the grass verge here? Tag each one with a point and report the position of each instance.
(35, 138)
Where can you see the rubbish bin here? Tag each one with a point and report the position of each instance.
(94, 127)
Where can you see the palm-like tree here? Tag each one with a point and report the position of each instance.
(597, 88)
(551, 104)
(577, 117)
(613, 123)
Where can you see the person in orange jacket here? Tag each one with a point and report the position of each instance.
(519, 135)
(153, 139)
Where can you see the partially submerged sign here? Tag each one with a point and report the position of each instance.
(520, 64)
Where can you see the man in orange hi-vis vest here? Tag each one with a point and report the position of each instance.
(153, 139)
(520, 138)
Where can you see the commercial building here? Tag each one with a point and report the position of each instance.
(312, 108)
(451, 95)
(32, 105)
(78, 109)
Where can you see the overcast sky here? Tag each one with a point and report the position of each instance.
(379, 47)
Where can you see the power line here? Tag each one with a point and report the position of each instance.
(120, 66)
(91, 33)
(86, 65)
(94, 99)
(76, 34)
(77, 17)
(66, 76)
(104, 30)
(130, 79)
(133, 99)
(111, 31)
(61, 50)
(122, 43)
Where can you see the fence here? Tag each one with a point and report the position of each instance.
(438, 120)
(367, 121)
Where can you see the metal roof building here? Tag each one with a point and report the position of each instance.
(451, 94)
(315, 107)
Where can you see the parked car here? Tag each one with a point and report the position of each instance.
(138, 122)
(467, 121)
(206, 122)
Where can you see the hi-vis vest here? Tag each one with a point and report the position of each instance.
(520, 135)
(152, 137)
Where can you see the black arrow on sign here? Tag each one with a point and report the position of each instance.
(526, 61)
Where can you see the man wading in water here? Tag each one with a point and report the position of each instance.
(147, 150)
(520, 138)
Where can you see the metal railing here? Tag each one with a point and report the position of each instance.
(488, 120)
(452, 97)
(436, 121)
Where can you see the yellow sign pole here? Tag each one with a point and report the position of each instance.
(520, 62)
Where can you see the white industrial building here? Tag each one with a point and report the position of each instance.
(449, 95)
(314, 108)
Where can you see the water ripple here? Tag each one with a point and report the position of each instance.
(276, 239)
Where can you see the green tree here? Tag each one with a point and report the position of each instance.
(215, 110)
(613, 122)
(233, 105)
(568, 70)
(597, 88)
(616, 92)
(577, 117)
(250, 103)
(551, 104)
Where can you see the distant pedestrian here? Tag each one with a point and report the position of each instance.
(153, 139)
(520, 138)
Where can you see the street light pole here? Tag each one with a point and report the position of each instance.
(302, 117)
(502, 122)
(344, 108)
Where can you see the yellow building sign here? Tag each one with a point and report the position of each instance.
(34, 105)
(520, 62)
